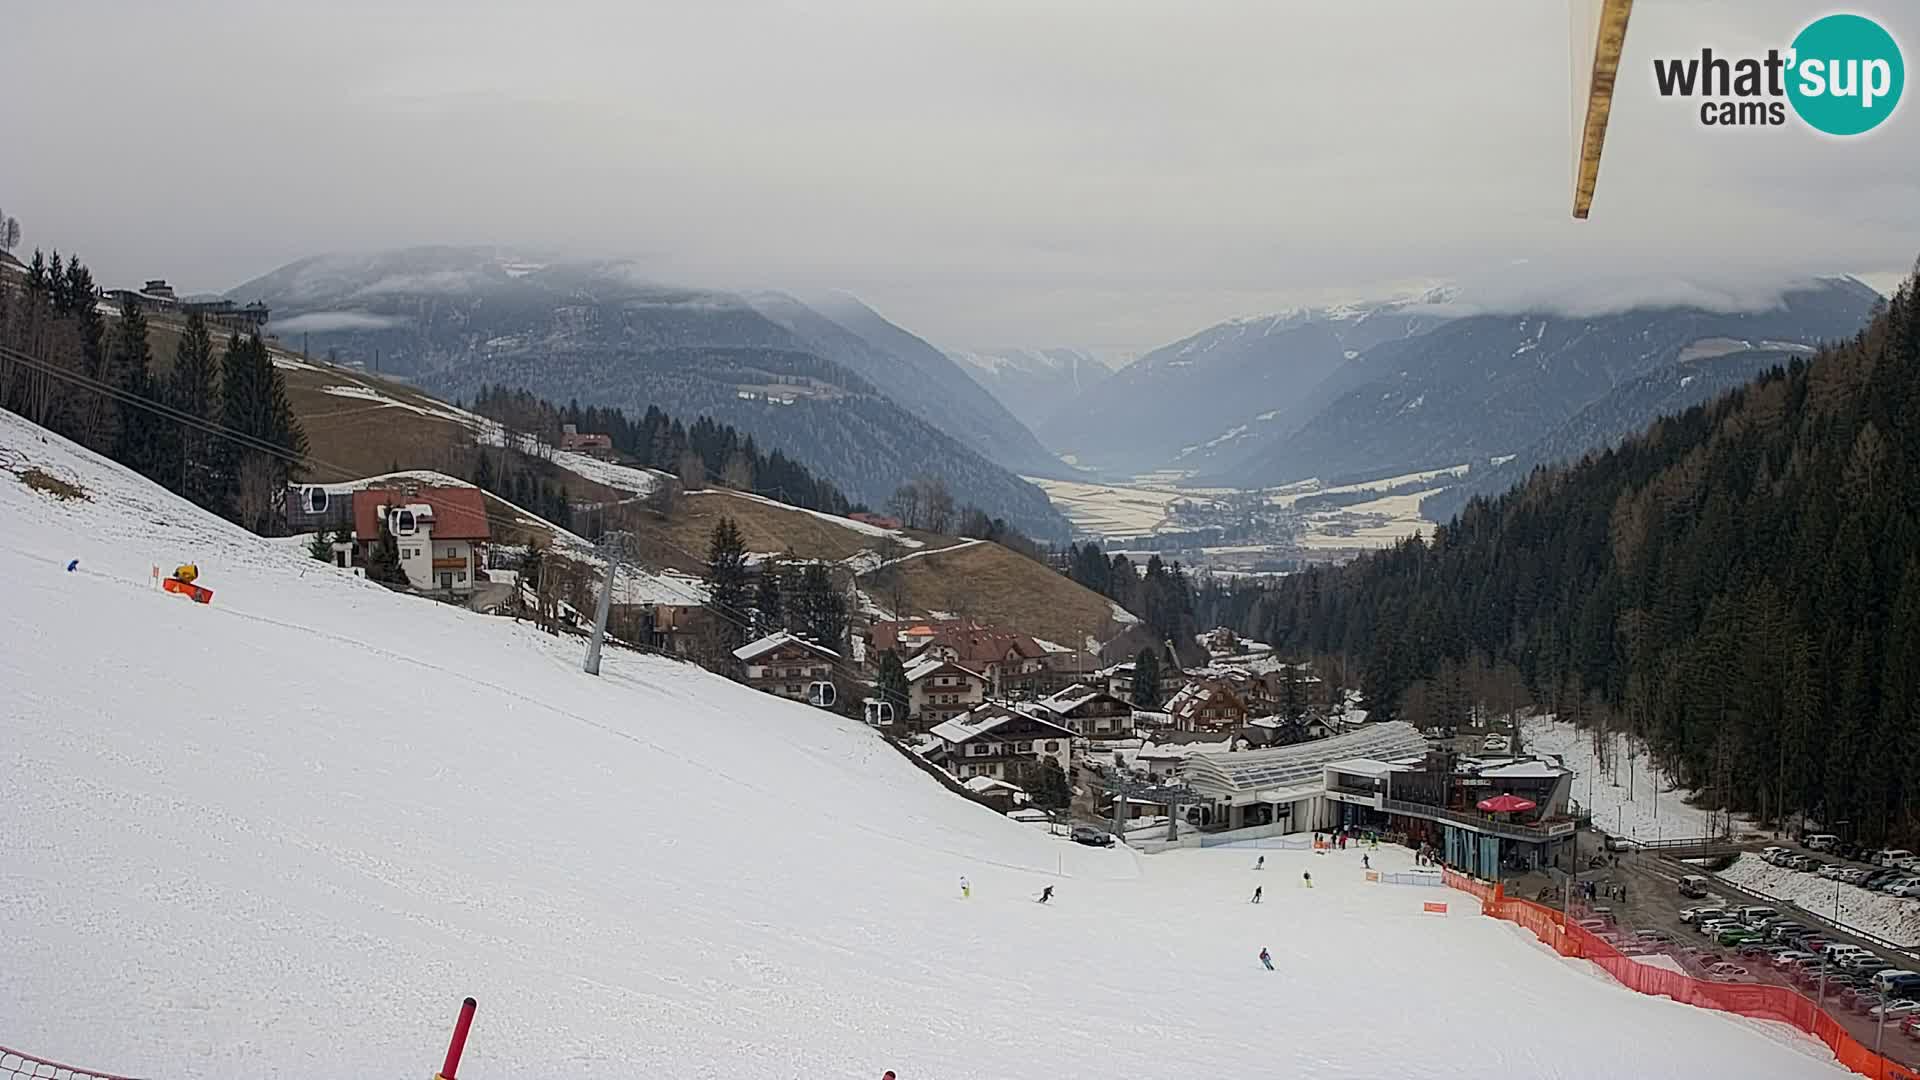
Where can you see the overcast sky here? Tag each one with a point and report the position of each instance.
(1112, 174)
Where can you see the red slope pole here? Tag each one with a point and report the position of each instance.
(459, 1042)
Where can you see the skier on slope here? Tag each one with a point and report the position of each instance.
(1256, 895)
(1365, 864)
(1260, 863)
(1046, 894)
(1266, 957)
(966, 889)
(1307, 878)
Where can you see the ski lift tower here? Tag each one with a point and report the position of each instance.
(612, 546)
(1124, 788)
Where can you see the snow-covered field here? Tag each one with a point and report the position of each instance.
(1145, 506)
(1622, 796)
(285, 833)
(1895, 918)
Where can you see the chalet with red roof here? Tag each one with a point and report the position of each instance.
(441, 533)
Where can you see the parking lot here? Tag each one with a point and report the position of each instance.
(1653, 904)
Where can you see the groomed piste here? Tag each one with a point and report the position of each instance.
(285, 833)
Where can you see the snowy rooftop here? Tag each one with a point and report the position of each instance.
(983, 784)
(1365, 767)
(927, 665)
(1304, 763)
(774, 641)
(1524, 770)
(985, 719)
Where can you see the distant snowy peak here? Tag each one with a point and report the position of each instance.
(1034, 383)
(1346, 313)
(1357, 325)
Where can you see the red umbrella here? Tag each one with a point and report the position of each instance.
(1506, 804)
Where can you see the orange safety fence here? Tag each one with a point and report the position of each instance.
(15, 1065)
(1760, 1002)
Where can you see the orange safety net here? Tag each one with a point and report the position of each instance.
(1760, 1002)
(15, 1065)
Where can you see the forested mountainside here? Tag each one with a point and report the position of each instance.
(1625, 411)
(1194, 403)
(1740, 583)
(455, 319)
(861, 441)
(1489, 386)
(913, 373)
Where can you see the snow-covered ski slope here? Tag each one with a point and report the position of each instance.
(284, 834)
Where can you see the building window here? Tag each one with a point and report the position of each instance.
(1024, 748)
(1053, 746)
(976, 749)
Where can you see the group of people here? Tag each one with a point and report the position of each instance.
(1612, 890)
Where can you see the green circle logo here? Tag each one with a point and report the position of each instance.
(1847, 74)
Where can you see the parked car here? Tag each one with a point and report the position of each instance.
(1892, 857)
(1092, 836)
(1737, 934)
(1496, 744)
(1725, 972)
(1820, 841)
(1892, 1009)
(1791, 957)
(1696, 914)
(1908, 1026)
(1754, 950)
(1772, 852)
(1802, 863)
(1780, 931)
(1906, 887)
(1653, 935)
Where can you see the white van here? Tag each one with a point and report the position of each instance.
(1892, 857)
(1839, 951)
(1751, 915)
(1820, 841)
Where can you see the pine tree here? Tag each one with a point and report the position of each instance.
(1146, 679)
(383, 562)
(254, 403)
(1293, 700)
(191, 390)
(321, 546)
(726, 580)
(130, 362)
(769, 607)
(891, 682)
(824, 610)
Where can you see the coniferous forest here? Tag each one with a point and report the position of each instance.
(217, 428)
(1740, 584)
(705, 449)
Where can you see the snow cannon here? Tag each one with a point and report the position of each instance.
(182, 583)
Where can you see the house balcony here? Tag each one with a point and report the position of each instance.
(449, 564)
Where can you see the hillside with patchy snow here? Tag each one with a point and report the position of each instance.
(286, 832)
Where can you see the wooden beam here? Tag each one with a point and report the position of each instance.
(1610, 37)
